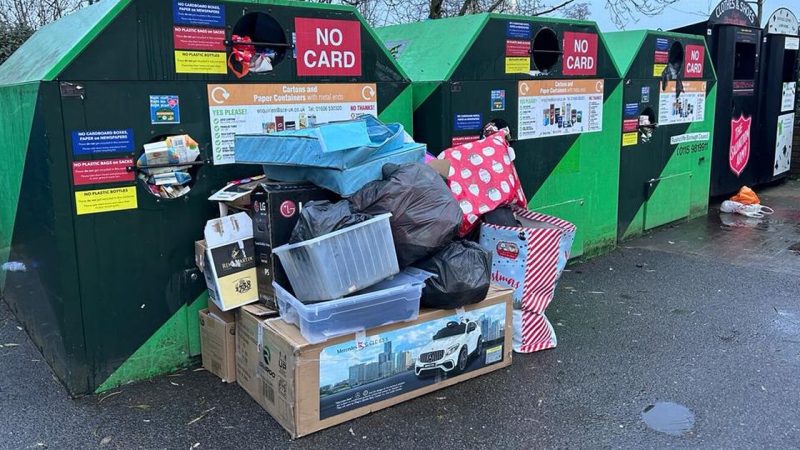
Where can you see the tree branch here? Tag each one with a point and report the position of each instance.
(464, 7)
(435, 11)
(548, 11)
(495, 5)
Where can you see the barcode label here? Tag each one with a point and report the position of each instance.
(267, 391)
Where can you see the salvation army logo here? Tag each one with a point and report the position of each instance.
(739, 153)
(288, 208)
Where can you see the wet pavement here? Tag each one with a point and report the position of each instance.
(703, 314)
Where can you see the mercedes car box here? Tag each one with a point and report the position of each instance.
(307, 387)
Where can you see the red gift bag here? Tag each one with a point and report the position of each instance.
(482, 177)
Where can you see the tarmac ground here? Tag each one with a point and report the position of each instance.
(703, 314)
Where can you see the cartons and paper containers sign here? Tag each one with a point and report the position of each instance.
(328, 47)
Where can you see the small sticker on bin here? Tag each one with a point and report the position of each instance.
(518, 30)
(467, 122)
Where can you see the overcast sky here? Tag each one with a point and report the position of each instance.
(681, 13)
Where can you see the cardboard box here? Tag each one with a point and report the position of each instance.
(218, 346)
(247, 353)
(276, 209)
(235, 196)
(308, 387)
(226, 316)
(230, 263)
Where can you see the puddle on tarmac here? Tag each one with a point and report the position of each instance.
(667, 417)
(732, 221)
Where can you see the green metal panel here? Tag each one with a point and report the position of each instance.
(574, 211)
(398, 110)
(660, 181)
(430, 50)
(166, 350)
(45, 296)
(16, 121)
(113, 297)
(701, 176)
(423, 90)
(588, 175)
(670, 202)
(51, 48)
(624, 47)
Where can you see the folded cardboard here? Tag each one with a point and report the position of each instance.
(235, 196)
(218, 345)
(247, 356)
(307, 387)
(230, 263)
(276, 208)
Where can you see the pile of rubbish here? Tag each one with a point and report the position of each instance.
(746, 203)
(355, 228)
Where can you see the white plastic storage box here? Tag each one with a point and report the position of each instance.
(341, 262)
(392, 300)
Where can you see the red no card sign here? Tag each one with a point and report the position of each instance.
(580, 53)
(693, 59)
(328, 47)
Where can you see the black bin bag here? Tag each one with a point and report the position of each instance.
(320, 217)
(425, 215)
(462, 275)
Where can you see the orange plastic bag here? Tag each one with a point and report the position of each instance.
(746, 196)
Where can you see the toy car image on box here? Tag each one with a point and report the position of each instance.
(451, 349)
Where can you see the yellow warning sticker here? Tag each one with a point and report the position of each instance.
(200, 62)
(106, 200)
(518, 64)
(630, 138)
(658, 69)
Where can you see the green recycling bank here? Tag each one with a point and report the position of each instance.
(552, 81)
(99, 268)
(668, 106)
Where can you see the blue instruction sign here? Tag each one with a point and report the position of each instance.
(518, 30)
(645, 94)
(631, 109)
(467, 122)
(662, 44)
(499, 100)
(165, 109)
(93, 142)
(197, 13)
